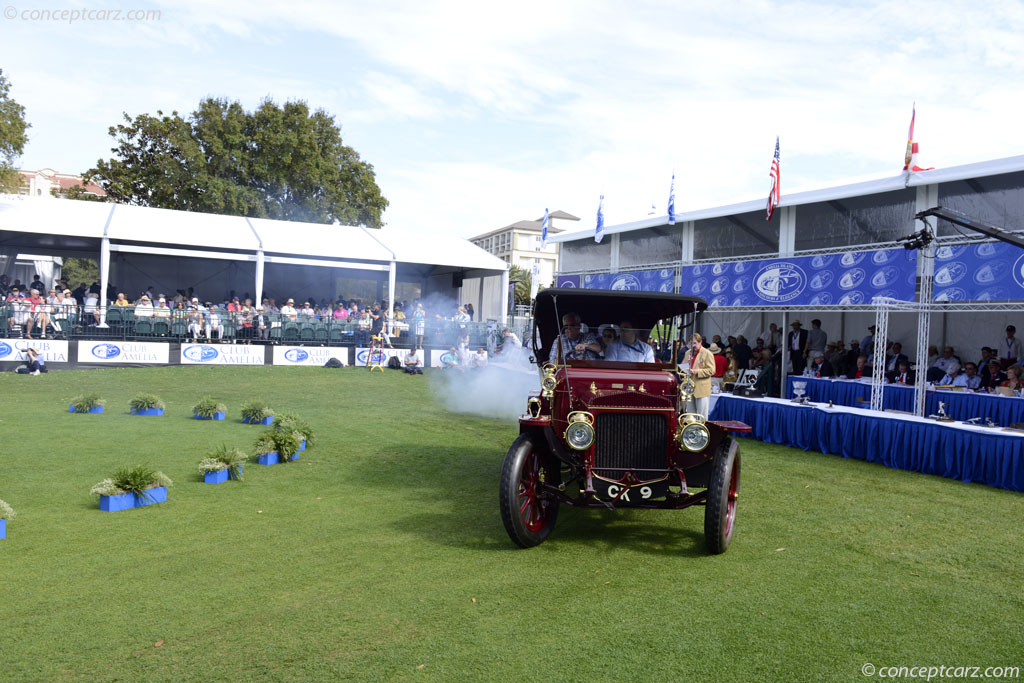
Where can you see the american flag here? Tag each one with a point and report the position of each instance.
(776, 176)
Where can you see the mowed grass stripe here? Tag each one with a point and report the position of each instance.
(362, 559)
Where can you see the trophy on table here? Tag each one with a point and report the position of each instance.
(800, 388)
(942, 415)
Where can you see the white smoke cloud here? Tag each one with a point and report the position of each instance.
(500, 390)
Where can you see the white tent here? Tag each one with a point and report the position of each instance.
(184, 242)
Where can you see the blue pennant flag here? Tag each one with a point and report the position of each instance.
(599, 230)
(672, 201)
(544, 230)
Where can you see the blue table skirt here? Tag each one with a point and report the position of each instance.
(994, 459)
(960, 405)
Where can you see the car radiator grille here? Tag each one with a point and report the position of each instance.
(630, 440)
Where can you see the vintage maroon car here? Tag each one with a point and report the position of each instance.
(615, 433)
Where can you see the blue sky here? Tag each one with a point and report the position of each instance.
(476, 114)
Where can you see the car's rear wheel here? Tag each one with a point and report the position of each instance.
(720, 513)
(528, 514)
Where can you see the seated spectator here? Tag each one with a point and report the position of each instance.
(756, 351)
(144, 309)
(260, 324)
(970, 378)
(902, 374)
(942, 365)
(861, 369)
(341, 313)
(364, 326)
(34, 363)
(161, 309)
(289, 309)
(994, 378)
(413, 366)
(450, 360)
(307, 310)
(121, 301)
(950, 378)
(732, 367)
(213, 323)
(38, 314)
(1014, 374)
(893, 359)
(195, 321)
(479, 359)
(91, 308)
(820, 366)
(721, 364)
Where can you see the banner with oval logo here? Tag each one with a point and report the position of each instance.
(663, 280)
(156, 353)
(309, 355)
(991, 271)
(50, 350)
(380, 356)
(855, 277)
(221, 354)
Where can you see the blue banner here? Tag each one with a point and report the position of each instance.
(638, 281)
(993, 271)
(571, 281)
(853, 278)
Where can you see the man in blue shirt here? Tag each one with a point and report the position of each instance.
(629, 347)
(575, 344)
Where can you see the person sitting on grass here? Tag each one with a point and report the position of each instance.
(450, 360)
(412, 362)
(34, 364)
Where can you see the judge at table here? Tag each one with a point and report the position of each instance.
(820, 367)
(903, 374)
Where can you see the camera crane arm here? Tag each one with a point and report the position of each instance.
(965, 221)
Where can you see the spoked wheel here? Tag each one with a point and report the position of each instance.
(720, 513)
(528, 515)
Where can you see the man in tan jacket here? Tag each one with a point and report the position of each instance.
(701, 363)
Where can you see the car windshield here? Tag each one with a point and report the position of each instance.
(613, 342)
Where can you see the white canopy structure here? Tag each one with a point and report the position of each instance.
(177, 247)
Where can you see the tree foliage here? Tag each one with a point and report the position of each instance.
(279, 162)
(13, 135)
(78, 270)
(523, 280)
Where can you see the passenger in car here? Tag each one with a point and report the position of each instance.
(629, 347)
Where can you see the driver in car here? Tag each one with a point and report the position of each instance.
(575, 344)
(629, 347)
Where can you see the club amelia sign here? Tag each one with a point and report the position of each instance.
(308, 355)
(381, 356)
(51, 350)
(221, 354)
(123, 352)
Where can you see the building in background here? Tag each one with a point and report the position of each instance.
(45, 182)
(518, 244)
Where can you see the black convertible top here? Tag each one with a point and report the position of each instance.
(597, 306)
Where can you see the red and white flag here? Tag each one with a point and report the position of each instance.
(910, 158)
(776, 175)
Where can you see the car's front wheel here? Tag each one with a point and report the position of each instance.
(720, 513)
(527, 513)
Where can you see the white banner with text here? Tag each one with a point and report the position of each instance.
(123, 352)
(50, 350)
(309, 355)
(221, 354)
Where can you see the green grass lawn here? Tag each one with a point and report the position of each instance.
(380, 554)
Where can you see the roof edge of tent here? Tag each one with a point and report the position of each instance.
(901, 181)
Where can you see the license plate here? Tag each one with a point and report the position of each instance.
(637, 493)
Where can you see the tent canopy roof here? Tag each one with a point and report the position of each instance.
(65, 223)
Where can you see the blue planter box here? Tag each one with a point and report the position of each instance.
(273, 458)
(216, 416)
(3, 529)
(302, 446)
(220, 476)
(264, 421)
(146, 411)
(94, 409)
(126, 501)
(219, 416)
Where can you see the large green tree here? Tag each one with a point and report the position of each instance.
(275, 162)
(13, 135)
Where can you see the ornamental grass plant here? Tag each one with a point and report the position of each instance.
(255, 411)
(207, 407)
(289, 422)
(6, 511)
(137, 479)
(144, 401)
(224, 457)
(285, 444)
(83, 403)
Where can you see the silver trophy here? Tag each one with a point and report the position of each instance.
(800, 388)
